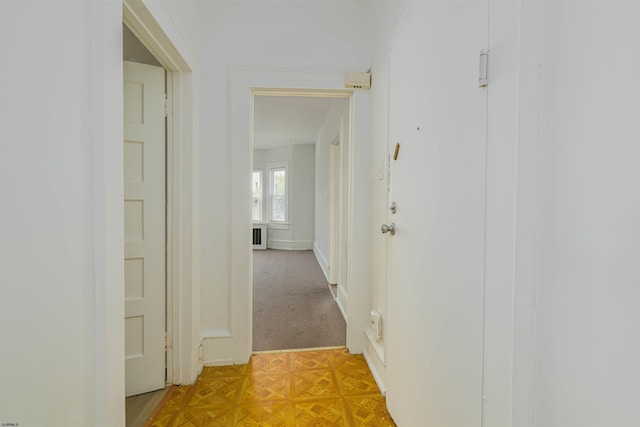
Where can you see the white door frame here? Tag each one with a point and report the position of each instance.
(182, 360)
(334, 191)
(233, 344)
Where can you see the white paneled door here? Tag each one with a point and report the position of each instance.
(144, 218)
(435, 259)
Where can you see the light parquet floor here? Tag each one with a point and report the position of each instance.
(305, 388)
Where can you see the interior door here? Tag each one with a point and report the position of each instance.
(144, 227)
(436, 257)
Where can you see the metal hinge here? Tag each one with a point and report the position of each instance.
(167, 106)
(167, 342)
(484, 59)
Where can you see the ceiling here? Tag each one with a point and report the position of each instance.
(287, 120)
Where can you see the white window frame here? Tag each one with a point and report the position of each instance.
(287, 191)
(262, 211)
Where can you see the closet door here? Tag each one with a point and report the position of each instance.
(438, 116)
(144, 228)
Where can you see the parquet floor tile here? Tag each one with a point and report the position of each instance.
(164, 419)
(266, 387)
(369, 411)
(210, 417)
(291, 389)
(177, 398)
(218, 392)
(358, 381)
(265, 414)
(310, 360)
(269, 363)
(313, 385)
(320, 412)
(224, 372)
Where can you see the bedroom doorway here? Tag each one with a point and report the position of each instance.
(299, 194)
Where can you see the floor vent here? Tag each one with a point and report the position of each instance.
(259, 236)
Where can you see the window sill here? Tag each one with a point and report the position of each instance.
(279, 225)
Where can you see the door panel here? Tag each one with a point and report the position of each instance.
(144, 221)
(436, 257)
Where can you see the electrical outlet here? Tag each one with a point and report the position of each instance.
(376, 324)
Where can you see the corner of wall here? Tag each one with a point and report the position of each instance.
(322, 260)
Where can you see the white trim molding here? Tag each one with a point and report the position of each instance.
(342, 301)
(322, 260)
(375, 366)
(244, 84)
(157, 32)
(290, 245)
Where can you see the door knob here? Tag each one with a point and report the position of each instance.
(388, 228)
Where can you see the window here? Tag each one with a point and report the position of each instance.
(256, 189)
(278, 194)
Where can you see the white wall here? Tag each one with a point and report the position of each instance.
(302, 203)
(561, 295)
(135, 51)
(274, 37)
(61, 214)
(298, 233)
(584, 163)
(60, 185)
(326, 136)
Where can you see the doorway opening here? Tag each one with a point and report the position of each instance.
(146, 226)
(299, 158)
(179, 345)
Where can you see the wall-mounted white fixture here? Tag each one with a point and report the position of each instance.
(357, 80)
(376, 324)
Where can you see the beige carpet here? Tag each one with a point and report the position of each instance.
(292, 305)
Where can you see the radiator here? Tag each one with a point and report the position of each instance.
(259, 236)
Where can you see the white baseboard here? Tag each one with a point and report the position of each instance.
(290, 245)
(322, 260)
(375, 366)
(218, 362)
(376, 345)
(342, 301)
(221, 350)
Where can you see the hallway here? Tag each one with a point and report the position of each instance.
(500, 139)
(302, 388)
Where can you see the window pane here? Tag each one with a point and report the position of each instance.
(277, 194)
(279, 182)
(277, 208)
